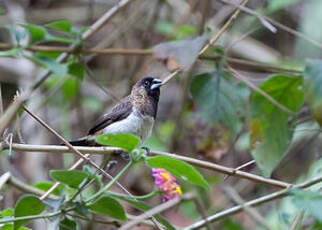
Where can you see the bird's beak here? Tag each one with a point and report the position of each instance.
(156, 83)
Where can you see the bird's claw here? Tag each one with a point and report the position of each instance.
(147, 150)
(111, 164)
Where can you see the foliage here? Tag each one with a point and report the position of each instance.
(270, 129)
(249, 117)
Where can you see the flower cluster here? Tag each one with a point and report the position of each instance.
(166, 183)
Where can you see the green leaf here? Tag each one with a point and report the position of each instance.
(108, 206)
(313, 90)
(2, 11)
(70, 88)
(10, 53)
(46, 185)
(52, 38)
(10, 227)
(280, 4)
(179, 169)
(73, 178)
(76, 69)
(220, 99)
(61, 25)
(270, 132)
(308, 201)
(51, 64)
(123, 140)
(67, 224)
(37, 33)
(92, 103)
(7, 212)
(26, 206)
(231, 225)
(141, 205)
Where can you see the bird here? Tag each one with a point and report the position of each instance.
(134, 114)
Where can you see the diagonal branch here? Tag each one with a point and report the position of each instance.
(237, 75)
(275, 23)
(158, 209)
(252, 203)
(212, 41)
(8, 116)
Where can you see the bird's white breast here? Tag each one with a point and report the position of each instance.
(136, 124)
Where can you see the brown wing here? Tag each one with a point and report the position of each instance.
(119, 112)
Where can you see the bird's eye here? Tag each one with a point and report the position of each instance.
(146, 83)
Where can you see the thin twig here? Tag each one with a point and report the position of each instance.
(242, 63)
(112, 150)
(252, 212)
(52, 188)
(157, 209)
(297, 220)
(15, 182)
(252, 203)
(8, 116)
(212, 40)
(85, 158)
(275, 23)
(264, 94)
(224, 28)
(242, 166)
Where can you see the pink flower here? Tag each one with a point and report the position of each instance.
(166, 183)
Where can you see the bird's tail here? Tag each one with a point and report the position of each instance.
(83, 141)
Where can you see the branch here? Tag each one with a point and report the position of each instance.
(15, 182)
(111, 150)
(85, 158)
(242, 63)
(275, 23)
(158, 209)
(252, 203)
(253, 213)
(8, 116)
(237, 75)
(212, 41)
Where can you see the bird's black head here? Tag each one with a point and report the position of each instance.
(151, 85)
(145, 95)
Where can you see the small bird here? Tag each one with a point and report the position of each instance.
(134, 114)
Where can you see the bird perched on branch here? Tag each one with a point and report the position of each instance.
(134, 114)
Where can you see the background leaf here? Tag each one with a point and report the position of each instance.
(67, 224)
(313, 90)
(123, 140)
(270, 131)
(27, 205)
(220, 99)
(73, 178)
(61, 25)
(76, 69)
(37, 33)
(308, 201)
(179, 169)
(51, 64)
(10, 53)
(184, 53)
(109, 207)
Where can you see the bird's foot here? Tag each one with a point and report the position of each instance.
(125, 156)
(111, 164)
(147, 150)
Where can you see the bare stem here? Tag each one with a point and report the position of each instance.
(252, 203)
(112, 150)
